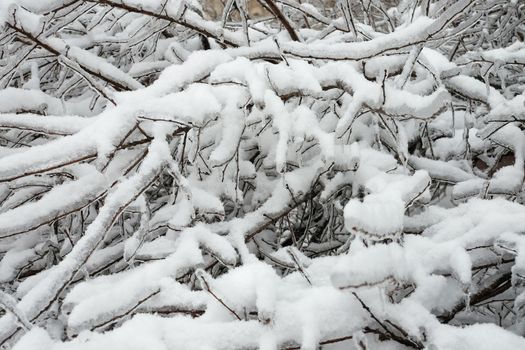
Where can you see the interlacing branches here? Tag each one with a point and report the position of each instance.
(310, 173)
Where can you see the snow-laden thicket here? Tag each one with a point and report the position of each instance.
(347, 177)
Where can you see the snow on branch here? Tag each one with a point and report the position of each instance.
(291, 175)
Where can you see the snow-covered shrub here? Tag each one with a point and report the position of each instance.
(346, 176)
